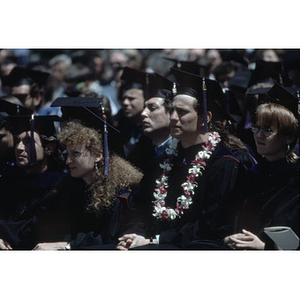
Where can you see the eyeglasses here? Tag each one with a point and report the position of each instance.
(264, 131)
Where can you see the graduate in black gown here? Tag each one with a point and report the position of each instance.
(84, 210)
(38, 165)
(156, 136)
(271, 190)
(179, 204)
(7, 153)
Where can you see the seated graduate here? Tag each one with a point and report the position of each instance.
(156, 114)
(180, 201)
(83, 211)
(27, 85)
(271, 190)
(7, 152)
(128, 120)
(38, 165)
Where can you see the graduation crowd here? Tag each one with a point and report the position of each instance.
(149, 149)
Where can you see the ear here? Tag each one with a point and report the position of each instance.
(49, 149)
(209, 116)
(99, 157)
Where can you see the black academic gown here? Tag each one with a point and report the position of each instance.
(18, 190)
(272, 198)
(202, 221)
(63, 216)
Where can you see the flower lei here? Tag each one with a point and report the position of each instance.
(197, 167)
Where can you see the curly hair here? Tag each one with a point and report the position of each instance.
(121, 173)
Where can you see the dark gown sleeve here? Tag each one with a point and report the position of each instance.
(53, 221)
(272, 199)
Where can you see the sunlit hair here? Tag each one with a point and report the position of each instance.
(121, 173)
(282, 120)
(76, 134)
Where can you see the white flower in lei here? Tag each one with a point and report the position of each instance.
(197, 167)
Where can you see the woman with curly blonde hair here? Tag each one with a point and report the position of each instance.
(93, 204)
(85, 210)
(85, 160)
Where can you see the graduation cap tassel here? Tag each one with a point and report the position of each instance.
(32, 157)
(204, 105)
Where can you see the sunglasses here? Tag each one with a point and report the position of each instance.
(264, 131)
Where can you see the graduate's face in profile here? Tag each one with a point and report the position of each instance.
(155, 117)
(184, 118)
(80, 162)
(22, 148)
(133, 103)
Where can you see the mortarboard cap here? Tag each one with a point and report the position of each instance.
(13, 109)
(285, 96)
(159, 86)
(270, 71)
(135, 79)
(189, 66)
(44, 125)
(90, 112)
(240, 80)
(21, 75)
(235, 55)
(192, 85)
(208, 92)
(291, 58)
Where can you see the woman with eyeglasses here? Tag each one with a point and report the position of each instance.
(272, 188)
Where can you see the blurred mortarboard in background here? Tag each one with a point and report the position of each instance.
(13, 109)
(159, 86)
(205, 90)
(291, 58)
(240, 80)
(135, 79)
(235, 55)
(270, 71)
(189, 66)
(20, 75)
